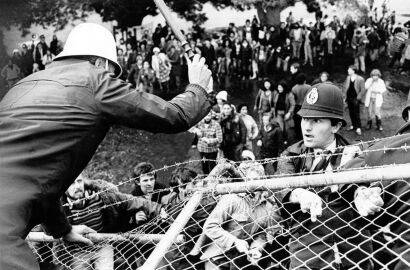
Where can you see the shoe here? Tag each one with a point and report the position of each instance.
(351, 128)
(359, 131)
(369, 125)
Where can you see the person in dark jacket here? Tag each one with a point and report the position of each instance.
(319, 235)
(270, 139)
(52, 122)
(234, 133)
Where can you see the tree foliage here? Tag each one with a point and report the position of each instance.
(59, 13)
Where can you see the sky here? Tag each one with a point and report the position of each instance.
(216, 19)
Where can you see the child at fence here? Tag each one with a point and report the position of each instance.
(322, 236)
(240, 226)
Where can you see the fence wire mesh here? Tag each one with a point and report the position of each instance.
(258, 228)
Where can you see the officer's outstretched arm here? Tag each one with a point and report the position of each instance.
(121, 104)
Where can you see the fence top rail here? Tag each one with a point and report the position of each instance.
(352, 176)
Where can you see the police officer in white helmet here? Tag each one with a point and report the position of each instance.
(52, 122)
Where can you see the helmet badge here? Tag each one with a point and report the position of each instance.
(312, 96)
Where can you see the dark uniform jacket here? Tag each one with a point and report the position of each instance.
(52, 122)
(312, 238)
(395, 195)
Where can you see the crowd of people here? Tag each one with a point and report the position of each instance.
(294, 118)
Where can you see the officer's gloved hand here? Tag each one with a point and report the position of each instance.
(309, 202)
(368, 200)
(199, 73)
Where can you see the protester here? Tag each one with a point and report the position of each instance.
(210, 137)
(375, 88)
(11, 73)
(63, 138)
(354, 93)
(251, 126)
(270, 139)
(234, 133)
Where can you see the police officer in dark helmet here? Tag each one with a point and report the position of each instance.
(314, 244)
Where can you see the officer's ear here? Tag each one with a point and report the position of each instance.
(336, 127)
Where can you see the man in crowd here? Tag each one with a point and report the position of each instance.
(146, 184)
(40, 51)
(102, 212)
(209, 135)
(299, 91)
(318, 234)
(354, 93)
(11, 73)
(52, 122)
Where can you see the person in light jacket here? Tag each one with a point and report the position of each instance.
(375, 87)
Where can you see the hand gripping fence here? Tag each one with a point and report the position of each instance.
(233, 219)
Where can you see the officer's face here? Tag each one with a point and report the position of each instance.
(76, 189)
(318, 132)
(147, 182)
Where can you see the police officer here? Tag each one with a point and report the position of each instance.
(52, 122)
(320, 218)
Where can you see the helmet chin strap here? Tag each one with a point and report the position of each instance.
(107, 68)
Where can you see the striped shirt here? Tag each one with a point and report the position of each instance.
(87, 213)
(398, 42)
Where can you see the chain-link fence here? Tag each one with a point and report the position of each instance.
(239, 218)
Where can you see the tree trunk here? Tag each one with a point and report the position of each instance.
(269, 15)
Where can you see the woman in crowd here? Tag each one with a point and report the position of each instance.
(284, 104)
(324, 77)
(234, 133)
(264, 99)
(250, 124)
(375, 88)
(162, 67)
(146, 78)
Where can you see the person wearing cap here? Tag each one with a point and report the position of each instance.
(221, 99)
(52, 122)
(375, 87)
(354, 93)
(316, 245)
(162, 66)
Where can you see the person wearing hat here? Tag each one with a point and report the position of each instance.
(52, 122)
(375, 87)
(316, 245)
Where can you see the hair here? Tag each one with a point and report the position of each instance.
(240, 106)
(301, 78)
(184, 174)
(335, 121)
(143, 168)
(354, 68)
(296, 66)
(284, 85)
(376, 72)
(262, 86)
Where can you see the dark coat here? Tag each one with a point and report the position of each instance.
(396, 195)
(272, 141)
(51, 124)
(330, 227)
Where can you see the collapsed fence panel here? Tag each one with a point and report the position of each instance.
(254, 225)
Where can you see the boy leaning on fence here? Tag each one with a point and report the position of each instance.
(103, 209)
(322, 235)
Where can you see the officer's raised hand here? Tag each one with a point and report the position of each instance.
(199, 73)
(309, 202)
